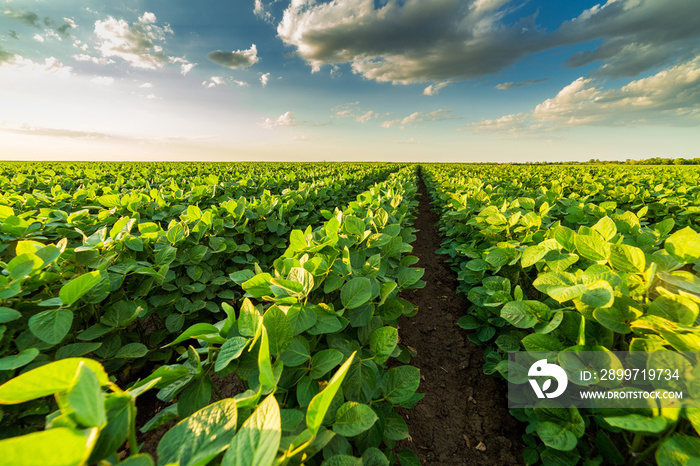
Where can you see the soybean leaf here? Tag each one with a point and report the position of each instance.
(76, 288)
(679, 451)
(194, 331)
(202, 436)
(230, 350)
(51, 326)
(323, 361)
(627, 258)
(279, 329)
(522, 314)
(320, 403)
(18, 360)
(46, 380)
(132, 351)
(383, 341)
(353, 418)
(356, 292)
(684, 245)
(297, 353)
(258, 439)
(400, 383)
(8, 315)
(54, 447)
(85, 398)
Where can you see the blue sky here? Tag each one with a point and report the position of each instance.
(410, 80)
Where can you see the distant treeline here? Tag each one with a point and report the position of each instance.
(651, 161)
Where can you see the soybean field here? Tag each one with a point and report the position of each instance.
(337, 313)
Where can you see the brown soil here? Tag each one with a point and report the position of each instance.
(463, 418)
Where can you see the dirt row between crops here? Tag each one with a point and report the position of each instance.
(463, 418)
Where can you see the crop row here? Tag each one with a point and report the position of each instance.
(581, 259)
(329, 299)
(197, 183)
(151, 267)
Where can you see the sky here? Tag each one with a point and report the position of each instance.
(365, 80)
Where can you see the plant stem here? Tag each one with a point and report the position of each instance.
(133, 446)
(637, 442)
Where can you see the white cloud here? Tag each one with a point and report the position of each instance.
(365, 117)
(103, 80)
(287, 119)
(147, 18)
(433, 89)
(39, 38)
(262, 12)
(139, 44)
(505, 124)
(671, 96)
(264, 78)
(353, 110)
(51, 65)
(80, 45)
(151, 96)
(146, 86)
(213, 82)
(419, 117)
(186, 68)
(95, 60)
(236, 59)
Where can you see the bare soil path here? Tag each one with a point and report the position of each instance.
(463, 418)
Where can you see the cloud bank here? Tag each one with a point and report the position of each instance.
(671, 96)
(418, 41)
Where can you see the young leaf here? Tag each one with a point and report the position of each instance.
(76, 288)
(85, 398)
(320, 403)
(199, 438)
(679, 451)
(267, 377)
(258, 439)
(46, 380)
(230, 350)
(684, 245)
(627, 258)
(54, 447)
